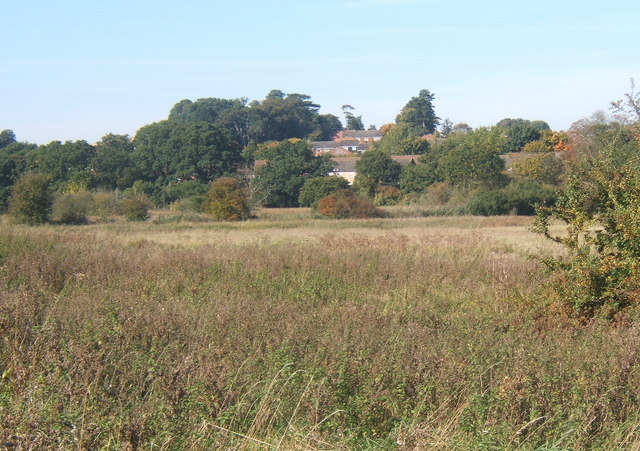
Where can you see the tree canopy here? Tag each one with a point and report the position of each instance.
(419, 113)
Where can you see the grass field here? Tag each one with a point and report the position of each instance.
(293, 332)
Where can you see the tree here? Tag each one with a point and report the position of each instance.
(400, 140)
(419, 113)
(416, 178)
(7, 137)
(327, 126)
(316, 188)
(282, 116)
(355, 122)
(627, 110)
(169, 151)
(519, 135)
(352, 122)
(600, 205)
(376, 168)
(31, 199)
(289, 164)
(541, 167)
(65, 163)
(13, 163)
(469, 159)
(227, 200)
(112, 164)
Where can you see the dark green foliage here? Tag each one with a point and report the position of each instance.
(520, 132)
(282, 116)
(7, 137)
(31, 199)
(489, 203)
(170, 151)
(290, 164)
(316, 188)
(376, 168)
(182, 190)
(469, 159)
(227, 200)
(354, 122)
(135, 207)
(327, 126)
(112, 164)
(347, 204)
(63, 162)
(72, 208)
(419, 114)
(13, 163)
(519, 198)
(416, 178)
(519, 135)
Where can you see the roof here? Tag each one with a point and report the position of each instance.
(360, 134)
(334, 144)
(345, 164)
(405, 160)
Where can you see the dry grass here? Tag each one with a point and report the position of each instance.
(292, 333)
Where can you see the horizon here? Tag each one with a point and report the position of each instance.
(85, 70)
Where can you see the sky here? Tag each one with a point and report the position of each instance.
(81, 69)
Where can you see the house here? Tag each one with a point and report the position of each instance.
(344, 148)
(363, 136)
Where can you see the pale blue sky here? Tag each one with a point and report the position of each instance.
(80, 69)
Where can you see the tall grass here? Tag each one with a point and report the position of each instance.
(434, 341)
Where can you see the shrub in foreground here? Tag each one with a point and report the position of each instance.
(227, 200)
(347, 204)
(31, 199)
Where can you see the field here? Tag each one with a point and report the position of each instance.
(292, 332)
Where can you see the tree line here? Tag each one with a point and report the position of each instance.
(206, 139)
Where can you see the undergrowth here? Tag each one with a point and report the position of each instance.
(341, 342)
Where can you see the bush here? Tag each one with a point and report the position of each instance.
(600, 208)
(31, 199)
(227, 200)
(518, 198)
(193, 204)
(316, 188)
(489, 203)
(106, 204)
(387, 195)
(135, 207)
(347, 204)
(72, 208)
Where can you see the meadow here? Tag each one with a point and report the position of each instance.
(294, 332)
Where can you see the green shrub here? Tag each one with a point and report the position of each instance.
(31, 199)
(347, 204)
(601, 208)
(135, 207)
(489, 203)
(519, 198)
(106, 204)
(227, 200)
(72, 208)
(316, 188)
(193, 204)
